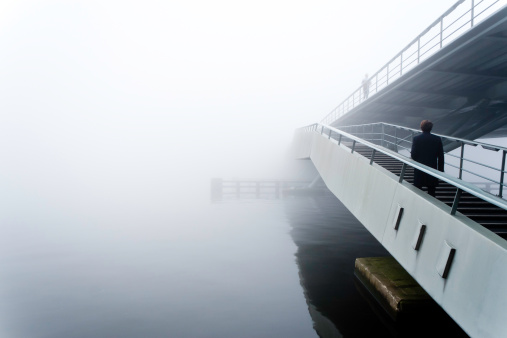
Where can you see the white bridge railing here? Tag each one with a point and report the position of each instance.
(458, 19)
(461, 186)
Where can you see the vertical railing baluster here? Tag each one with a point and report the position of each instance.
(441, 31)
(387, 75)
(395, 139)
(502, 174)
(340, 139)
(456, 201)
(383, 133)
(401, 64)
(353, 146)
(419, 50)
(461, 160)
(402, 174)
(472, 14)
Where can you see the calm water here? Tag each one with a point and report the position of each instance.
(235, 268)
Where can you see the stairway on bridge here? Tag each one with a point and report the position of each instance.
(482, 212)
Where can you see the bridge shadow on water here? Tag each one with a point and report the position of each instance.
(329, 239)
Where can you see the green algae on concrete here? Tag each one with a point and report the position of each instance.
(396, 291)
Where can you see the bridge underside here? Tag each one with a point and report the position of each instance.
(462, 88)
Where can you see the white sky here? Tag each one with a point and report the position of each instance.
(104, 93)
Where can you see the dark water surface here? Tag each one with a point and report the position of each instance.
(235, 268)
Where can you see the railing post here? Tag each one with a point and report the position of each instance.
(472, 13)
(372, 156)
(402, 174)
(461, 160)
(395, 139)
(329, 135)
(340, 139)
(418, 50)
(401, 64)
(383, 133)
(500, 193)
(456, 201)
(441, 31)
(353, 146)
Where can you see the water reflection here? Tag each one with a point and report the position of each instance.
(210, 270)
(329, 239)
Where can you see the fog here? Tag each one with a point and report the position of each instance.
(122, 111)
(115, 115)
(123, 98)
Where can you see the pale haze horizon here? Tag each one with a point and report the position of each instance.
(114, 118)
(113, 91)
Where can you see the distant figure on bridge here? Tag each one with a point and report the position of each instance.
(366, 86)
(428, 150)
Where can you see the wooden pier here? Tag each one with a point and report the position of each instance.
(393, 288)
(243, 188)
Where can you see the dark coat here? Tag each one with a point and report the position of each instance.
(428, 150)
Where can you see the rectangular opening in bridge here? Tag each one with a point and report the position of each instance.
(397, 217)
(418, 236)
(445, 259)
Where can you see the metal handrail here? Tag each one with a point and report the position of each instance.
(488, 146)
(462, 142)
(402, 62)
(458, 183)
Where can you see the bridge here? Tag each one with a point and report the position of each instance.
(454, 244)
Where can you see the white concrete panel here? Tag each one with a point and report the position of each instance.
(301, 145)
(466, 294)
(364, 189)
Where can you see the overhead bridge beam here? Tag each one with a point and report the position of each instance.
(477, 75)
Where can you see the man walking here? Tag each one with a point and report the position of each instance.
(428, 150)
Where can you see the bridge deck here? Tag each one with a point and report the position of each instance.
(462, 88)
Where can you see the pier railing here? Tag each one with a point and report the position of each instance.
(251, 188)
(469, 168)
(340, 136)
(458, 19)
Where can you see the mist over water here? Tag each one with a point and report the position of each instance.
(115, 116)
(224, 269)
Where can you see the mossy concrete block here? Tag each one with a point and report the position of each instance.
(392, 286)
